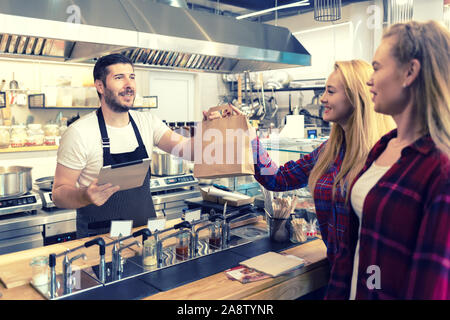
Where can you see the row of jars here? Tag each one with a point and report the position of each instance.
(34, 134)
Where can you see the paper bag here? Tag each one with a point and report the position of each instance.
(223, 147)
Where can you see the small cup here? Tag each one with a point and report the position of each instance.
(278, 229)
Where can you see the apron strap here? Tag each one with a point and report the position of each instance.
(105, 139)
(106, 145)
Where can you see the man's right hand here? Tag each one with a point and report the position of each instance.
(99, 194)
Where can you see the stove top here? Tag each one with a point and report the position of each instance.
(172, 182)
(27, 202)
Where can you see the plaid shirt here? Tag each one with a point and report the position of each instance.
(405, 228)
(333, 216)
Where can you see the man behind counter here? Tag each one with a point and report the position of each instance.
(132, 136)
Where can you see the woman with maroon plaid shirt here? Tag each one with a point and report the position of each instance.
(330, 169)
(401, 199)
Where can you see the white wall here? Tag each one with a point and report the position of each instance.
(42, 162)
(428, 10)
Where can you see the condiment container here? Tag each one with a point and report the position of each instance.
(51, 130)
(35, 133)
(149, 252)
(18, 136)
(5, 137)
(215, 236)
(182, 248)
(49, 140)
(40, 271)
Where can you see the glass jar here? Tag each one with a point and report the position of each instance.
(149, 253)
(182, 248)
(51, 130)
(49, 140)
(18, 136)
(40, 271)
(30, 141)
(35, 134)
(5, 137)
(215, 236)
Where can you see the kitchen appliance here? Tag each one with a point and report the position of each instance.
(24, 203)
(45, 183)
(15, 232)
(166, 164)
(61, 230)
(15, 181)
(138, 29)
(32, 220)
(169, 194)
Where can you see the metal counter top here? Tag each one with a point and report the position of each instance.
(41, 217)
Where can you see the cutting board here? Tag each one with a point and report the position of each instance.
(273, 264)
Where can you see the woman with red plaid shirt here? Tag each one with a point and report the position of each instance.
(330, 169)
(401, 199)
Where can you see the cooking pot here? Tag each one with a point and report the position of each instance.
(166, 164)
(15, 181)
(45, 183)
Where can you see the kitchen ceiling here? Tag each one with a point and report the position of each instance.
(240, 7)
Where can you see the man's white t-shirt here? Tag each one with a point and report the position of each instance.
(81, 144)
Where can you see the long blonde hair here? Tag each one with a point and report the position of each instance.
(429, 43)
(365, 127)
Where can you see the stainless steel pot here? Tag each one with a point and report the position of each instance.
(45, 183)
(165, 164)
(15, 181)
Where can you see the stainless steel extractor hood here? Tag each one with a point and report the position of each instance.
(150, 33)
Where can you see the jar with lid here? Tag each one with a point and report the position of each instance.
(51, 130)
(18, 136)
(35, 134)
(40, 271)
(5, 137)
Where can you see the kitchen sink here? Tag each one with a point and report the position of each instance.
(249, 232)
(133, 267)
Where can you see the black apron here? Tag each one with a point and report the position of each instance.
(133, 204)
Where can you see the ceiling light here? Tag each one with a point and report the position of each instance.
(400, 11)
(327, 10)
(259, 13)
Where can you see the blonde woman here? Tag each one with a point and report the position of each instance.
(402, 196)
(330, 168)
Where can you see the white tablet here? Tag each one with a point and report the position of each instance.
(126, 175)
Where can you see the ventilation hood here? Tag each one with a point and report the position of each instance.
(149, 33)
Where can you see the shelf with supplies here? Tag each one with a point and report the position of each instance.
(28, 149)
(38, 101)
(294, 85)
